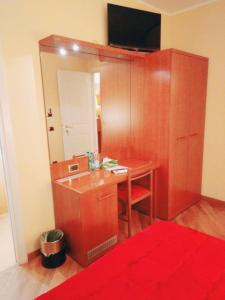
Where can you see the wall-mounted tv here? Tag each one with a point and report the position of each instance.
(133, 29)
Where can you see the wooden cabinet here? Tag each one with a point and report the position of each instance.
(89, 220)
(169, 127)
(186, 131)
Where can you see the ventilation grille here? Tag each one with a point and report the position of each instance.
(102, 247)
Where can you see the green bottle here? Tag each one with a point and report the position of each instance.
(91, 161)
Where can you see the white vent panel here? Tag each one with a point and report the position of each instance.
(102, 247)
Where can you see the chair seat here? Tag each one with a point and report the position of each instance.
(138, 192)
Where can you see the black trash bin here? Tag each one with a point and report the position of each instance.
(53, 248)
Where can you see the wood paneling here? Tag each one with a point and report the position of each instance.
(195, 150)
(150, 87)
(138, 107)
(115, 107)
(52, 43)
(178, 198)
(198, 83)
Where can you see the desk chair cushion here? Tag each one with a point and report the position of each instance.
(136, 192)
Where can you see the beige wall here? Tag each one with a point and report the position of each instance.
(22, 24)
(202, 31)
(3, 199)
(3, 203)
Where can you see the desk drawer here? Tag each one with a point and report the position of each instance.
(106, 191)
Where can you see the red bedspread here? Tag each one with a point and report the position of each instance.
(164, 262)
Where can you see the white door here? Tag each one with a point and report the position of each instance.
(77, 108)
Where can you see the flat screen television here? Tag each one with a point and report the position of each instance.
(133, 29)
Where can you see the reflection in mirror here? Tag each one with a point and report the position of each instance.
(73, 104)
(87, 103)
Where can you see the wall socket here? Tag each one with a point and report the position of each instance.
(73, 168)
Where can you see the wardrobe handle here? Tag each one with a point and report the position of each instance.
(193, 134)
(181, 137)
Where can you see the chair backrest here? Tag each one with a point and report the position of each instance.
(138, 173)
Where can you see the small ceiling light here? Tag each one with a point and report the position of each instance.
(75, 47)
(62, 51)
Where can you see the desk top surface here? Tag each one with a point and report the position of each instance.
(99, 178)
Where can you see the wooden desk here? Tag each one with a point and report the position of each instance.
(86, 209)
(94, 181)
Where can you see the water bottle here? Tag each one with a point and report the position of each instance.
(91, 161)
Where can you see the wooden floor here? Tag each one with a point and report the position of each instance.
(28, 281)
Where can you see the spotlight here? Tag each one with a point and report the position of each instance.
(62, 51)
(75, 47)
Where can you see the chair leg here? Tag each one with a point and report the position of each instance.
(129, 220)
(151, 200)
(150, 211)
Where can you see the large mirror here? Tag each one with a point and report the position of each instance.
(72, 102)
(85, 100)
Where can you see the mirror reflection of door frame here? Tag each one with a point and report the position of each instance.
(10, 171)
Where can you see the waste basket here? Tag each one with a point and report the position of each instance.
(53, 248)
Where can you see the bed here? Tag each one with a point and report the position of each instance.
(164, 262)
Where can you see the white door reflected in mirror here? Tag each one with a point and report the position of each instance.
(78, 112)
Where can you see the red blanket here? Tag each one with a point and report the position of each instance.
(164, 262)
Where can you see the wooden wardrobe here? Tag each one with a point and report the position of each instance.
(167, 124)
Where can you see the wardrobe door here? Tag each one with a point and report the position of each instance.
(188, 93)
(197, 99)
(194, 171)
(180, 94)
(179, 134)
(178, 166)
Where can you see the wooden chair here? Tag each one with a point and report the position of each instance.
(139, 186)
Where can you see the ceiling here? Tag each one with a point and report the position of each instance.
(171, 7)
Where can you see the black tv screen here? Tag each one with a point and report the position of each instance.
(130, 28)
